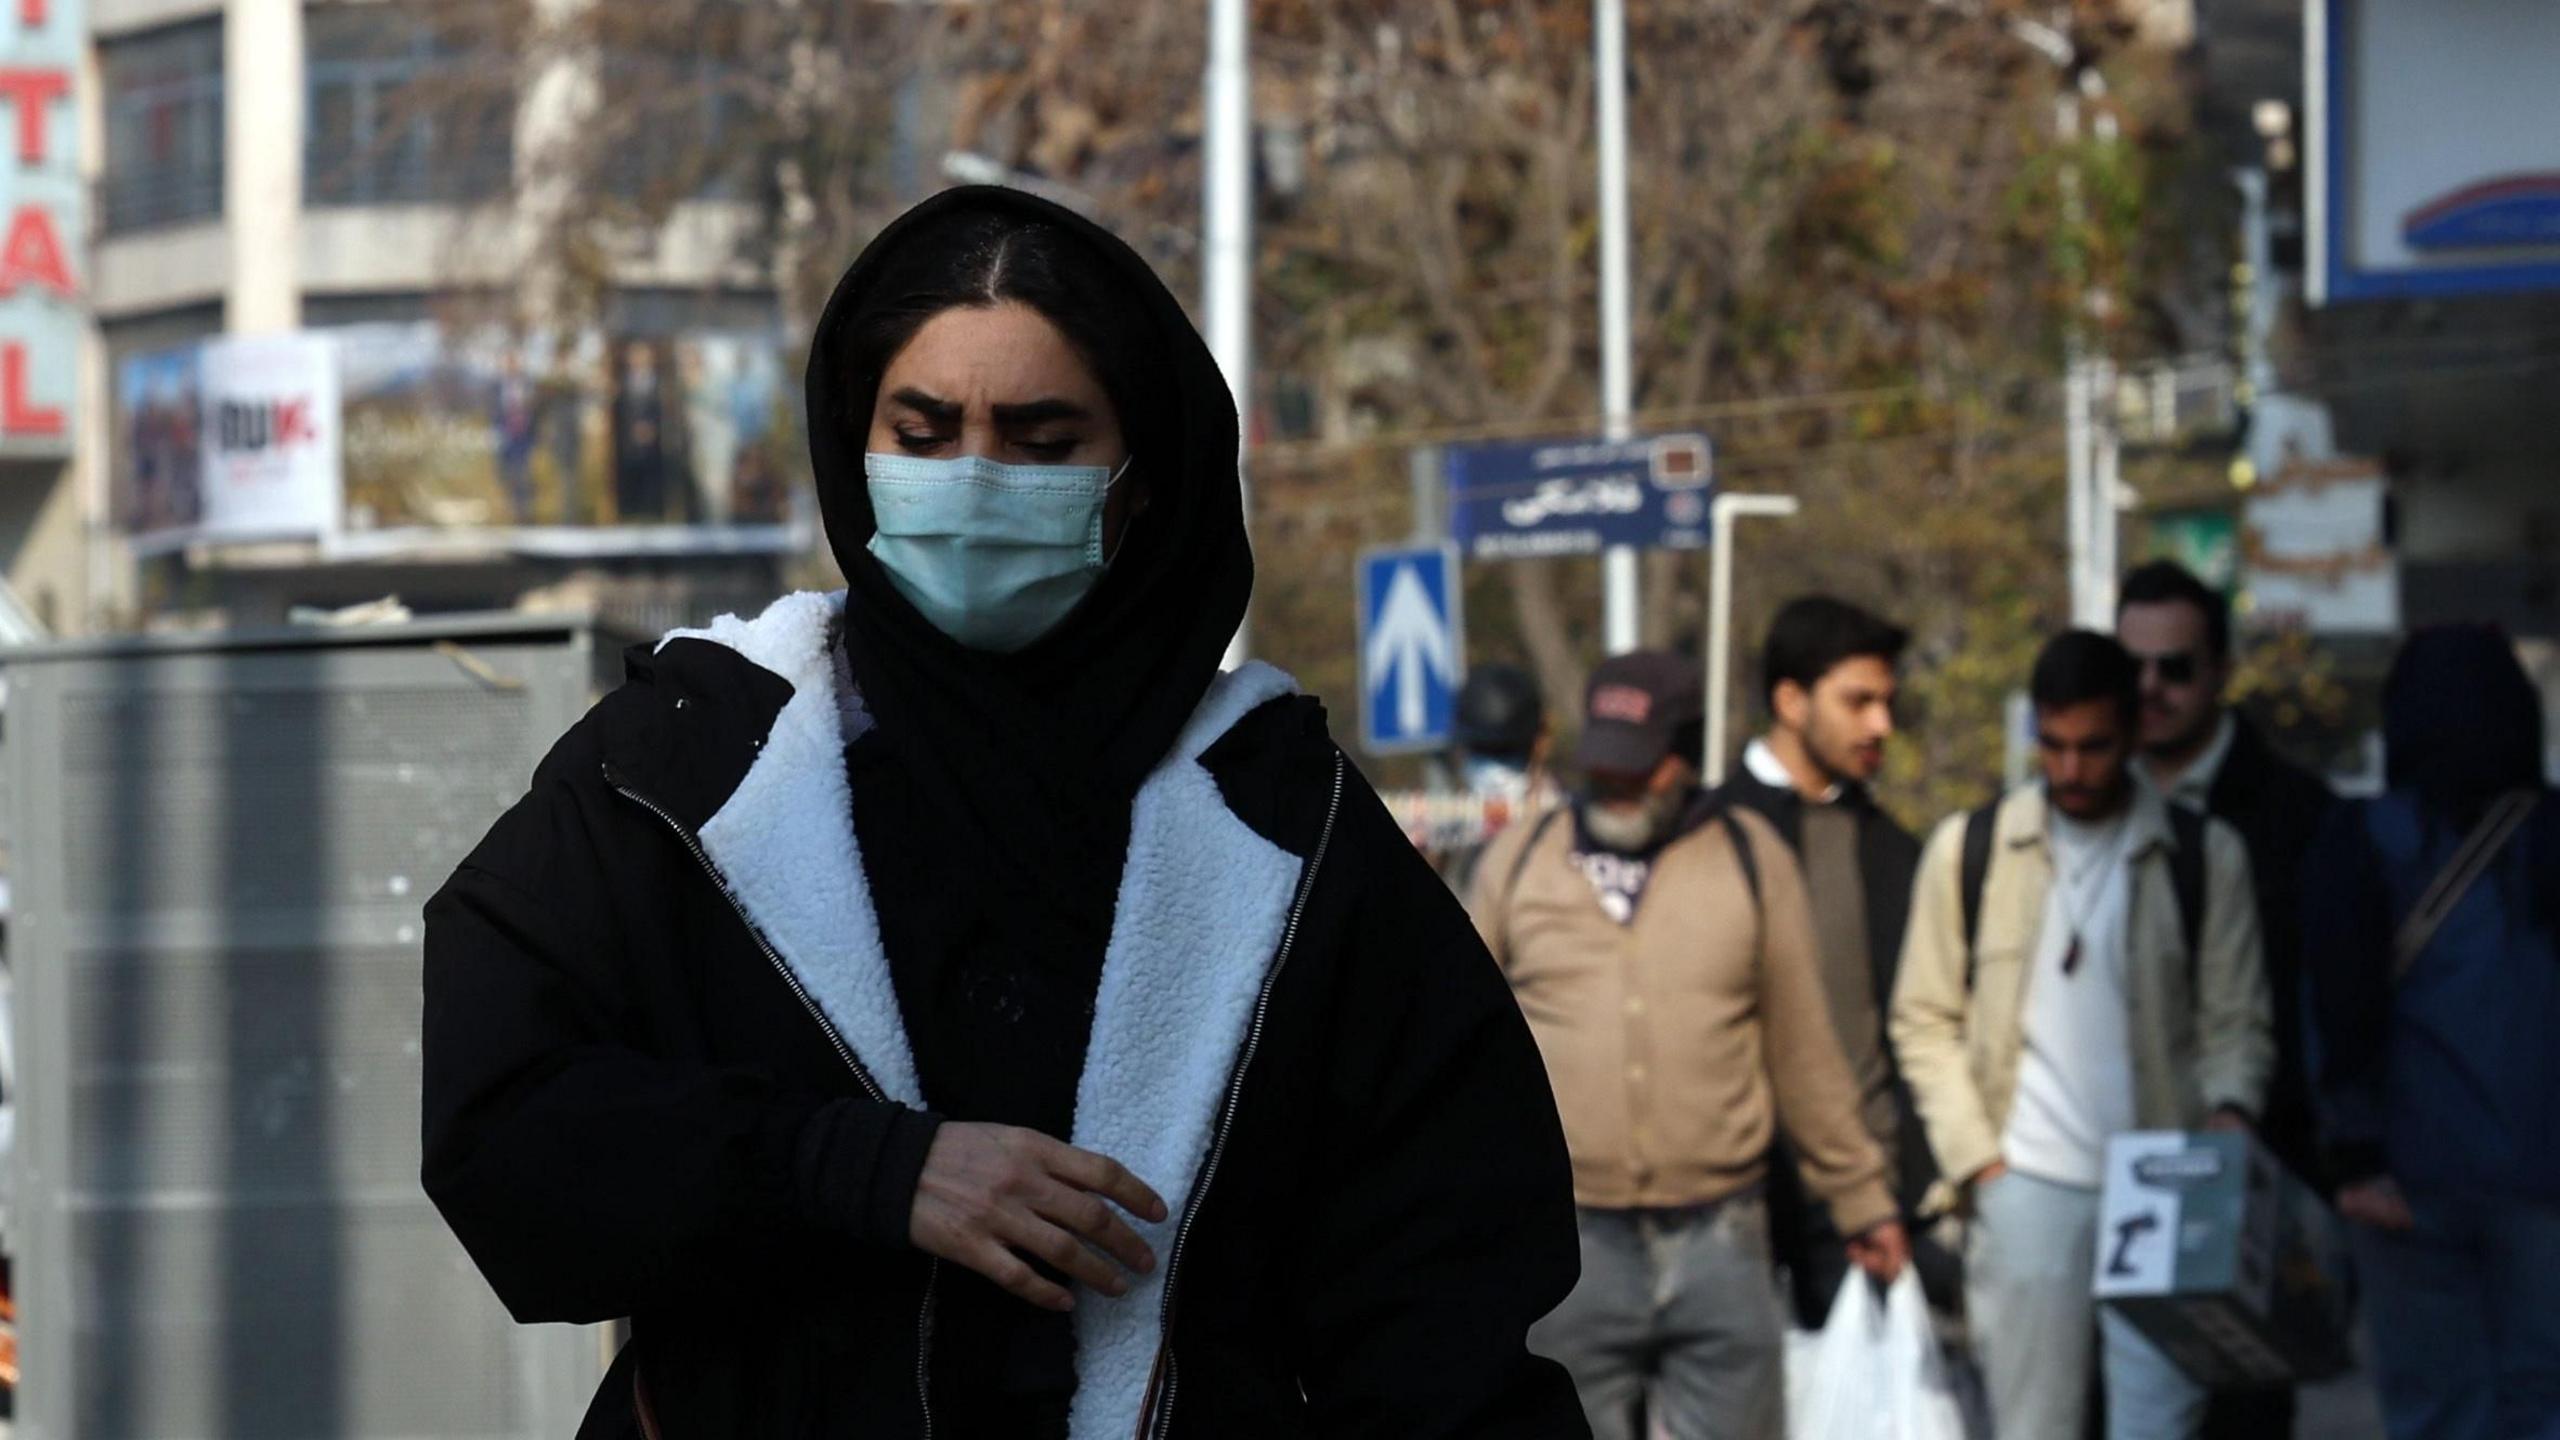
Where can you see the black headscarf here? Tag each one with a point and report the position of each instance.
(2461, 723)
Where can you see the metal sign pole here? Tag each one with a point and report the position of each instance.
(1227, 233)
(1618, 571)
(1722, 512)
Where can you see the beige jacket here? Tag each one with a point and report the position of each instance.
(2196, 1047)
(1677, 1043)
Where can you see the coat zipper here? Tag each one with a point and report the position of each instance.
(1160, 1413)
(844, 1052)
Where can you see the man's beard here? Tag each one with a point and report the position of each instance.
(1632, 829)
(1839, 761)
(2190, 741)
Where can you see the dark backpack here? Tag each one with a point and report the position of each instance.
(2186, 878)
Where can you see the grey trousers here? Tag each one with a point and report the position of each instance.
(1677, 1308)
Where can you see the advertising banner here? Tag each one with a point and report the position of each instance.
(693, 437)
(42, 46)
(2432, 167)
(270, 438)
(159, 491)
(380, 438)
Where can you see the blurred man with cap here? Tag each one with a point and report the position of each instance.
(1503, 738)
(1503, 733)
(1663, 948)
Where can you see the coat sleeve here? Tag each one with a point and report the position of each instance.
(1447, 1227)
(589, 1178)
(2235, 1016)
(1817, 1097)
(2347, 934)
(1930, 1010)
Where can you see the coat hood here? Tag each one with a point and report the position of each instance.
(2460, 721)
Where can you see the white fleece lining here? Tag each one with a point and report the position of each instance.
(784, 841)
(1202, 907)
(1203, 901)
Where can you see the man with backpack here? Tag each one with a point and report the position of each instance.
(2082, 960)
(1663, 949)
(2432, 915)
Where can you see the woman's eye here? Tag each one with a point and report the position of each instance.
(1049, 449)
(910, 440)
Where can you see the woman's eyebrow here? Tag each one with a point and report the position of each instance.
(1033, 412)
(930, 406)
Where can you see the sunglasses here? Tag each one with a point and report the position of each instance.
(2179, 667)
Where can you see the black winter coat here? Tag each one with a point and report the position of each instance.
(666, 1078)
(2278, 808)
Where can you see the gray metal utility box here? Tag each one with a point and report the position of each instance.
(218, 850)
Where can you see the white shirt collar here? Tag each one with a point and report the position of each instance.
(1769, 770)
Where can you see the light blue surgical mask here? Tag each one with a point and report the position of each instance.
(995, 555)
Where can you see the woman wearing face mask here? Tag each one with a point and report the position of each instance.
(952, 1007)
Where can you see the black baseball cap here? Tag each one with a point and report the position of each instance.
(1635, 709)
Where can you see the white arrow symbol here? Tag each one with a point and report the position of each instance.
(1408, 635)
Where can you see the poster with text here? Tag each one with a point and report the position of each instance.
(270, 438)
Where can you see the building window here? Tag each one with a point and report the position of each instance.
(684, 124)
(677, 109)
(164, 126)
(400, 114)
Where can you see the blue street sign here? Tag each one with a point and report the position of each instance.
(1412, 648)
(1522, 499)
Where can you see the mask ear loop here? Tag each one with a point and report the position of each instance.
(1138, 507)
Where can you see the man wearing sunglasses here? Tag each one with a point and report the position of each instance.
(2202, 754)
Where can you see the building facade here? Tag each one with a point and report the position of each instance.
(353, 172)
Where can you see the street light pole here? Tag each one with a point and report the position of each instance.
(1617, 342)
(1226, 269)
(1721, 514)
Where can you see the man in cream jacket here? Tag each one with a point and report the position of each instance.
(2086, 1004)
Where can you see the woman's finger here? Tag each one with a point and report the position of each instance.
(1033, 1237)
(1108, 1178)
(1013, 1274)
(1094, 1219)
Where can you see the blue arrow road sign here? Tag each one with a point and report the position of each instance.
(1412, 648)
(1521, 499)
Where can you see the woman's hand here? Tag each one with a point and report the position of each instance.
(992, 1194)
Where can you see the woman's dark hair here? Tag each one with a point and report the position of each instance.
(978, 258)
(2079, 666)
(2166, 582)
(1814, 633)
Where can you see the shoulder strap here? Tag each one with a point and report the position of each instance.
(1979, 827)
(1741, 839)
(2480, 849)
(2187, 857)
(1520, 862)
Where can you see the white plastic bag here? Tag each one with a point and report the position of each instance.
(1874, 1371)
